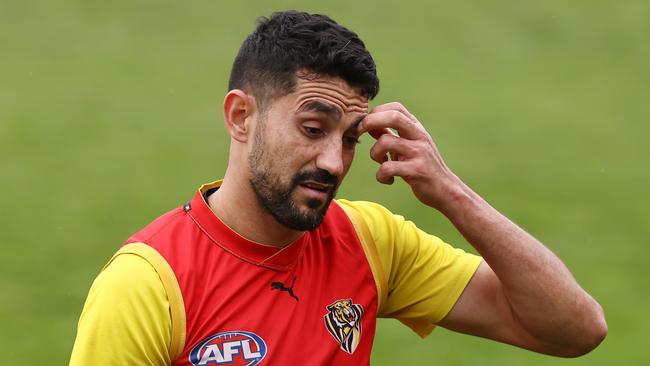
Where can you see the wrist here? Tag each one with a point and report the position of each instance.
(457, 197)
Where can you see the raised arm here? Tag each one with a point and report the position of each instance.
(522, 294)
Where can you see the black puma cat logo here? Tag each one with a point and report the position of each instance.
(280, 286)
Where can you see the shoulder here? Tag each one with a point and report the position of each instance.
(374, 215)
(159, 226)
(126, 302)
(126, 281)
(128, 273)
(366, 207)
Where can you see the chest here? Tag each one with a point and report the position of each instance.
(320, 311)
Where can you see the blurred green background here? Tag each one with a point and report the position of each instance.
(110, 115)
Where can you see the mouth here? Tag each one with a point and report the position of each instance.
(317, 186)
(316, 193)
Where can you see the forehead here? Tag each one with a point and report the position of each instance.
(331, 90)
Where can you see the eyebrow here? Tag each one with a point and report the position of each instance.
(320, 107)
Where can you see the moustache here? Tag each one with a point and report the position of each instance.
(318, 175)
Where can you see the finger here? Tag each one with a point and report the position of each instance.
(391, 169)
(394, 106)
(389, 144)
(376, 134)
(384, 180)
(391, 119)
(386, 107)
(387, 172)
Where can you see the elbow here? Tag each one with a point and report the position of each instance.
(593, 333)
(591, 339)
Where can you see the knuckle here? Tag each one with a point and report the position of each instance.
(395, 115)
(386, 139)
(388, 168)
(374, 155)
(412, 149)
(421, 145)
(378, 145)
(381, 177)
(406, 119)
(397, 105)
(377, 154)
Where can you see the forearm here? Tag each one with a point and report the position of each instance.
(526, 296)
(541, 292)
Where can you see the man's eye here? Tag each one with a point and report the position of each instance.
(350, 141)
(313, 131)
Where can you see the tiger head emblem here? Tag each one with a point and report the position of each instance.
(343, 321)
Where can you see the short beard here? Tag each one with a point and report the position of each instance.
(277, 199)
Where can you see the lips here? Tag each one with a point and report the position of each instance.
(321, 187)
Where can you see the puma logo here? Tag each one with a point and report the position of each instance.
(280, 286)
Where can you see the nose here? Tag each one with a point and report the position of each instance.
(330, 158)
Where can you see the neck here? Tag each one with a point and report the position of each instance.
(237, 206)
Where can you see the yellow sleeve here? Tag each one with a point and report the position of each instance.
(129, 317)
(419, 277)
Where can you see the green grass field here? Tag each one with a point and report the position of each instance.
(110, 115)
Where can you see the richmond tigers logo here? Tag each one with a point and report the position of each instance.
(344, 323)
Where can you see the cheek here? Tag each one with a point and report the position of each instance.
(291, 155)
(348, 157)
(279, 148)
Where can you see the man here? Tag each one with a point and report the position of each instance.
(264, 267)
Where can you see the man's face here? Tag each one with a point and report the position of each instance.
(303, 146)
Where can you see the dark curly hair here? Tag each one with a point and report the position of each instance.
(292, 41)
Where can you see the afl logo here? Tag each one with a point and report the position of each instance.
(233, 348)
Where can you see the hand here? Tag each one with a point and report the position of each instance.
(524, 295)
(405, 149)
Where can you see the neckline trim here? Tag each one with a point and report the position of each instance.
(276, 258)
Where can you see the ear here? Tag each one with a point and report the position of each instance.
(238, 108)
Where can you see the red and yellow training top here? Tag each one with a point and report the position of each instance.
(188, 290)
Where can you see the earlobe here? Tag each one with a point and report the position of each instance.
(238, 107)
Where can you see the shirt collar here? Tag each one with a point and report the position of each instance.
(280, 259)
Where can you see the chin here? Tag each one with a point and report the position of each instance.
(305, 216)
(314, 204)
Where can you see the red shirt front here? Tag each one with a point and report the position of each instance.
(313, 302)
